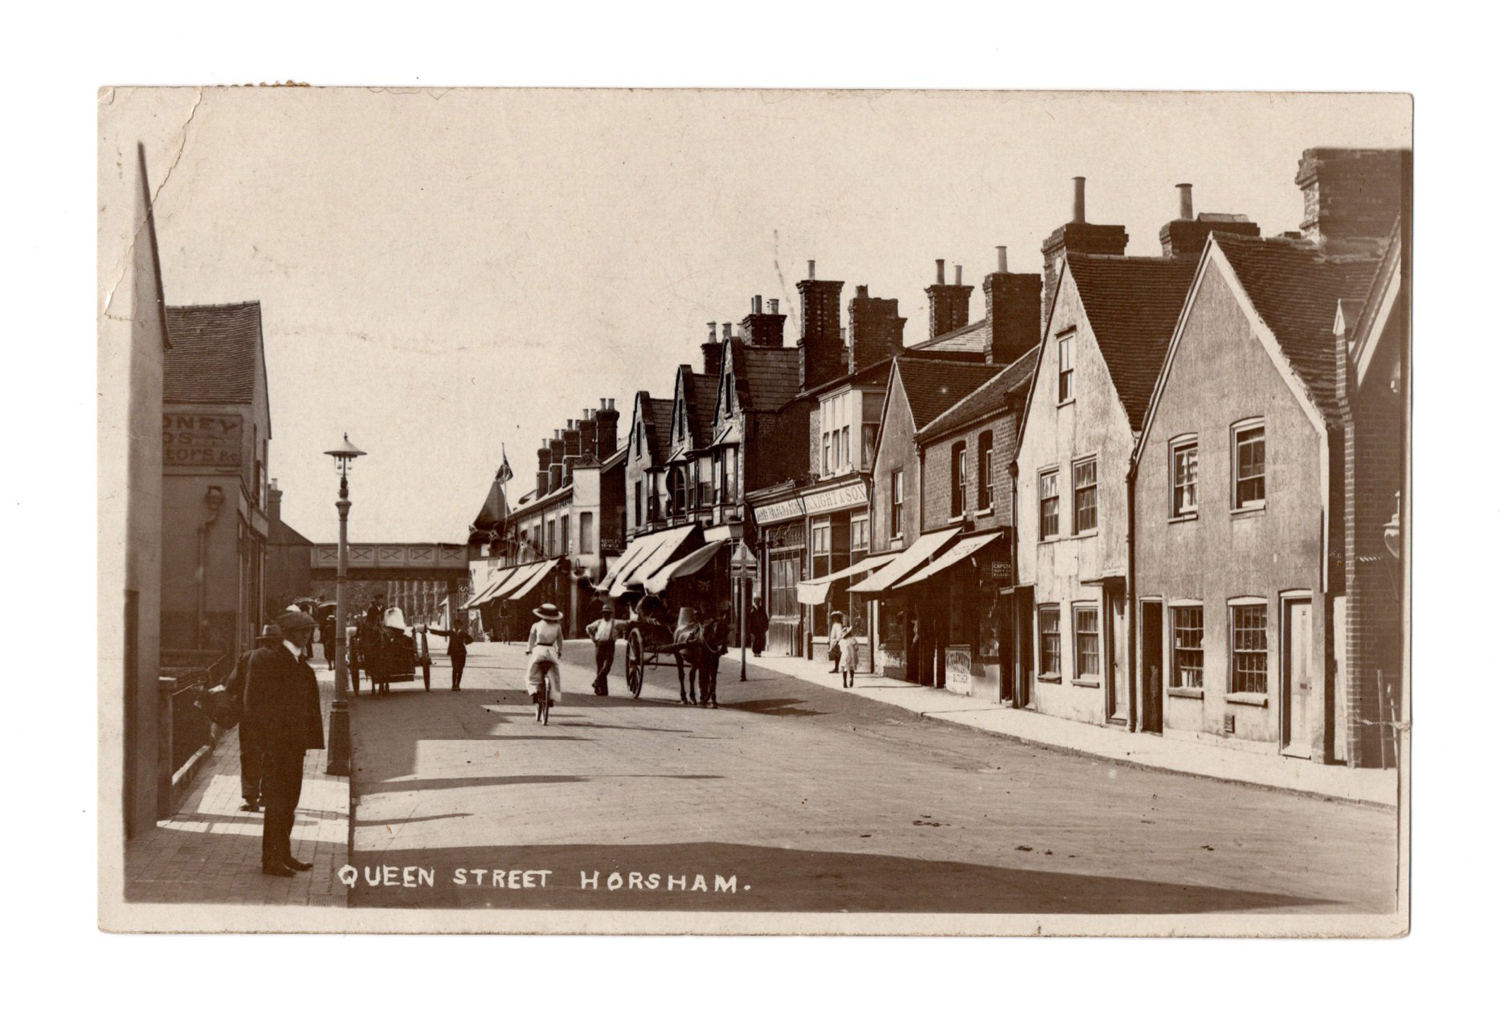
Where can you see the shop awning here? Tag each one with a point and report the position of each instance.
(668, 545)
(907, 562)
(487, 591)
(964, 548)
(815, 591)
(630, 559)
(690, 565)
(541, 572)
(521, 577)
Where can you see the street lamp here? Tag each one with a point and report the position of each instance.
(338, 718)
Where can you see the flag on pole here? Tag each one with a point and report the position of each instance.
(504, 475)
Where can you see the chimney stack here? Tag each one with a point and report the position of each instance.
(713, 357)
(1188, 236)
(947, 304)
(572, 449)
(273, 502)
(1077, 236)
(543, 469)
(609, 425)
(763, 329)
(1012, 305)
(821, 350)
(875, 329)
(1352, 197)
(588, 437)
(555, 467)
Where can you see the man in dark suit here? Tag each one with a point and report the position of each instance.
(281, 706)
(458, 648)
(250, 754)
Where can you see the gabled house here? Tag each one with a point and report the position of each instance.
(906, 631)
(216, 435)
(1239, 482)
(1108, 327)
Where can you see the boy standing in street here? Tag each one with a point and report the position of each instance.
(602, 631)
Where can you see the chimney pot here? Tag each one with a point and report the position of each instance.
(755, 305)
(1000, 250)
(812, 269)
(1078, 212)
(958, 274)
(862, 291)
(713, 336)
(728, 331)
(1184, 201)
(775, 304)
(940, 271)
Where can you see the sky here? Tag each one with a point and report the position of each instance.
(443, 274)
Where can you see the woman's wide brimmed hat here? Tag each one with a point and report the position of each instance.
(837, 614)
(548, 613)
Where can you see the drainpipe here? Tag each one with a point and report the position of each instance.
(213, 500)
(1130, 672)
(1013, 470)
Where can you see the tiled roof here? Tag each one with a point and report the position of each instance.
(705, 394)
(1295, 290)
(770, 376)
(989, 398)
(215, 353)
(973, 337)
(933, 386)
(659, 424)
(1132, 303)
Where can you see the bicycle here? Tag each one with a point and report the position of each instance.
(544, 698)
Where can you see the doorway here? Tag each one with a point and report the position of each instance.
(1025, 613)
(1151, 666)
(1296, 677)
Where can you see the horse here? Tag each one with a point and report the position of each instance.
(701, 646)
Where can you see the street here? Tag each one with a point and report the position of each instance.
(793, 797)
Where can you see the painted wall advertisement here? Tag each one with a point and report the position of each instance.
(190, 438)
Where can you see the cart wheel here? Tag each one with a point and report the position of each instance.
(635, 668)
(427, 677)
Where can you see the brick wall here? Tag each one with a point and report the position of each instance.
(938, 476)
(1374, 471)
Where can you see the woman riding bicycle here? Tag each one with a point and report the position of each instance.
(544, 648)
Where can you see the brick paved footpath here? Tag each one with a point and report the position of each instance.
(209, 850)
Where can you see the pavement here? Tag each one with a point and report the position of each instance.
(1185, 755)
(209, 850)
(803, 798)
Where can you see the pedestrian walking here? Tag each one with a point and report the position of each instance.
(760, 622)
(458, 648)
(544, 648)
(250, 747)
(848, 656)
(602, 631)
(281, 704)
(330, 641)
(836, 629)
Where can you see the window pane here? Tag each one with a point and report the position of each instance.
(1250, 465)
(1086, 640)
(1187, 647)
(1050, 645)
(1085, 496)
(1248, 642)
(1049, 505)
(1185, 479)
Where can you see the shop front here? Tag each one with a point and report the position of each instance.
(838, 533)
(781, 528)
(908, 624)
(960, 595)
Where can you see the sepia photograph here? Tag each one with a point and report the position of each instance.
(673, 511)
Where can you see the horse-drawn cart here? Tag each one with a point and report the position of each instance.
(391, 653)
(650, 642)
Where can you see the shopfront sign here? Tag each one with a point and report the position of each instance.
(960, 671)
(781, 511)
(852, 495)
(198, 439)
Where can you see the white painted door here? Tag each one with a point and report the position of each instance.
(1297, 687)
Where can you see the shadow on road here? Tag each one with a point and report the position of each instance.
(769, 879)
(775, 708)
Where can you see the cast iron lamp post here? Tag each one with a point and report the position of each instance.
(338, 717)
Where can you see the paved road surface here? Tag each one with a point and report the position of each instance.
(811, 800)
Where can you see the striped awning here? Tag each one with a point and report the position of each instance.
(488, 591)
(815, 591)
(541, 572)
(656, 550)
(907, 562)
(964, 548)
(689, 565)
